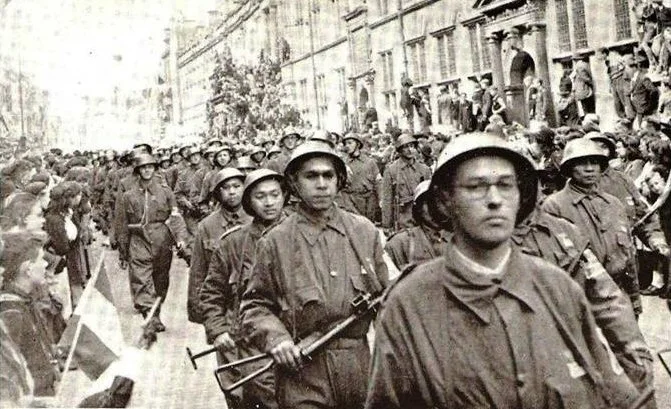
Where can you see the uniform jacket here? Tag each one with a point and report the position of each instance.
(415, 245)
(280, 162)
(398, 184)
(306, 274)
(188, 187)
(149, 207)
(560, 242)
(521, 339)
(207, 240)
(224, 285)
(601, 218)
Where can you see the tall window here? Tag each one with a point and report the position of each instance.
(321, 94)
(446, 54)
(387, 70)
(622, 21)
(475, 50)
(579, 26)
(417, 54)
(563, 29)
(342, 83)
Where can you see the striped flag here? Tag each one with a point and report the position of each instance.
(93, 335)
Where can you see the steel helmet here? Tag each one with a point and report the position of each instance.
(353, 136)
(245, 162)
(275, 150)
(581, 148)
(142, 147)
(419, 198)
(316, 148)
(253, 178)
(404, 139)
(324, 136)
(165, 158)
(290, 130)
(224, 175)
(188, 151)
(257, 149)
(144, 159)
(603, 138)
(478, 144)
(215, 142)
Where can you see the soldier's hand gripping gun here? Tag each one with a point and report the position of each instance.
(364, 305)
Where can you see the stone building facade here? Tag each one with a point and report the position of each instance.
(341, 57)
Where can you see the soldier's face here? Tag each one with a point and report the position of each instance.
(266, 200)
(289, 142)
(195, 158)
(223, 158)
(147, 172)
(316, 183)
(483, 200)
(230, 193)
(408, 151)
(586, 171)
(351, 146)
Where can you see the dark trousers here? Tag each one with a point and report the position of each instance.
(336, 377)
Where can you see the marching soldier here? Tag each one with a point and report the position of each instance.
(227, 191)
(308, 270)
(620, 185)
(145, 240)
(420, 243)
(221, 159)
(514, 330)
(173, 172)
(601, 217)
(399, 182)
(363, 186)
(559, 242)
(263, 198)
(287, 143)
(187, 194)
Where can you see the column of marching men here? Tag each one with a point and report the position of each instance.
(520, 254)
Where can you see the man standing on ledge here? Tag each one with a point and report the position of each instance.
(308, 270)
(486, 325)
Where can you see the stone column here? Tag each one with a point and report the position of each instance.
(539, 37)
(494, 42)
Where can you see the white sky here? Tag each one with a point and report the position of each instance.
(69, 46)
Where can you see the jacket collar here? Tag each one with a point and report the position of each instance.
(311, 226)
(578, 194)
(477, 291)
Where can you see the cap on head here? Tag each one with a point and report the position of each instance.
(324, 136)
(254, 178)
(224, 175)
(312, 149)
(480, 144)
(581, 148)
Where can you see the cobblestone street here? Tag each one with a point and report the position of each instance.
(167, 379)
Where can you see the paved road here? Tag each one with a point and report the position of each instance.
(167, 379)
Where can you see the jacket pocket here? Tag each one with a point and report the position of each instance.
(569, 393)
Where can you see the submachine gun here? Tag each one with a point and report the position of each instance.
(364, 305)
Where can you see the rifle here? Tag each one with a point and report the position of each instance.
(363, 304)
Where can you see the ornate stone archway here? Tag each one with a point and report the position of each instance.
(522, 68)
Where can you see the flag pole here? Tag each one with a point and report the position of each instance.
(82, 300)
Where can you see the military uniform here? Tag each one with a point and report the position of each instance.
(306, 274)
(361, 190)
(146, 241)
(415, 245)
(398, 185)
(523, 338)
(280, 162)
(220, 296)
(602, 219)
(206, 241)
(560, 242)
(187, 194)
